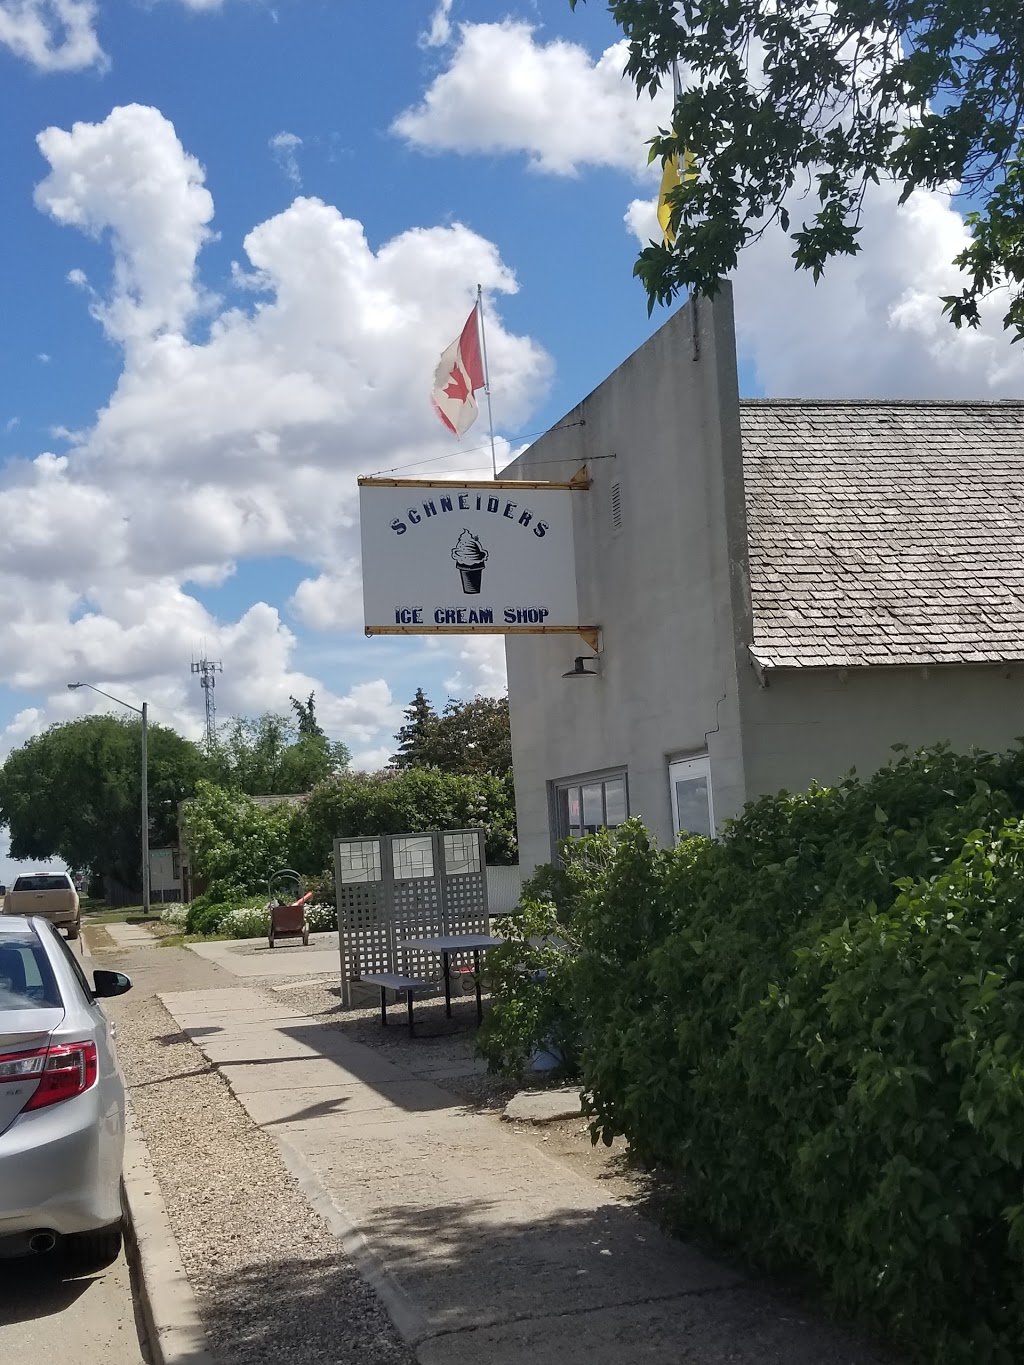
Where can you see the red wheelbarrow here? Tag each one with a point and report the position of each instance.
(287, 916)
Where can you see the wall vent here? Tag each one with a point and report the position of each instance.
(616, 507)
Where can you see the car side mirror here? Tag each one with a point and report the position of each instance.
(110, 983)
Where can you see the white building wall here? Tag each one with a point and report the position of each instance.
(668, 589)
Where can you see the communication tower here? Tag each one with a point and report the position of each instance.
(207, 672)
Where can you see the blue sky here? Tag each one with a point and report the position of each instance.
(235, 237)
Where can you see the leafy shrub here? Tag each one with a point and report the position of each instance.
(235, 843)
(816, 1023)
(246, 921)
(531, 987)
(174, 914)
(531, 975)
(321, 918)
(207, 916)
(204, 916)
(404, 803)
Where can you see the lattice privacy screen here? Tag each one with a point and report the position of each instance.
(402, 886)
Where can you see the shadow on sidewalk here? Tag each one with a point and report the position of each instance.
(589, 1287)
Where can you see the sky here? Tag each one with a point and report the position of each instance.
(235, 236)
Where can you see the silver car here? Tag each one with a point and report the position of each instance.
(61, 1098)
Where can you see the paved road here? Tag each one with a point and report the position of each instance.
(49, 1314)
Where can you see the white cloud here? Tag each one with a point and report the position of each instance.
(130, 176)
(504, 91)
(52, 35)
(440, 31)
(480, 661)
(284, 148)
(238, 445)
(372, 760)
(873, 325)
(332, 601)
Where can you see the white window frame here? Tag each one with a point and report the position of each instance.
(679, 769)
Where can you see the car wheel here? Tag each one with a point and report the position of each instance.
(96, 1249)
(74, 929)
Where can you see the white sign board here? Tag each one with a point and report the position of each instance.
(470, 558)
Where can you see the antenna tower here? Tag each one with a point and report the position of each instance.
(207, 672)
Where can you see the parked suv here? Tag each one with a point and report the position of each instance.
(51, 895)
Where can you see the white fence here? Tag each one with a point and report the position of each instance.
(504, 885)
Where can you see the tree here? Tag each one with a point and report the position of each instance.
(236, 844)
(305, 717)
(472, 737)
(803, 104)
(413, 737)
(73, 793)
(467, 737)
(269, 756)
(358, 804)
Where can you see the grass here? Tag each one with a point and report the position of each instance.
(98, 912)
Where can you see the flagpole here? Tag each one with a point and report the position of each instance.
(487, 373)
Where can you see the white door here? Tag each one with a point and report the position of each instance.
(692, 808)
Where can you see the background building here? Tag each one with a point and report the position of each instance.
(786, 589)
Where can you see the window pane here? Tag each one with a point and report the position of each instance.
(593, 807)
(461, 854)
(575, 807)
(693, 810)
(615, 801)
(561, 812)
(26, 981)
(413, 856)
(359, 861)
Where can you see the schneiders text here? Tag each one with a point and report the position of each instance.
(469, 502)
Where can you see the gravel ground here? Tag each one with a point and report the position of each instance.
(269, 1280)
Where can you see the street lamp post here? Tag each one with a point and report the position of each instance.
(142, 711)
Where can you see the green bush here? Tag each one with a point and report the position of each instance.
(531, 989)
(815, 1022)
(235, 843)
(321, 918)
(246, 921)
(207, 916)
(360, 804)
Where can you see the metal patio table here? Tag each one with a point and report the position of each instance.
(448, 944)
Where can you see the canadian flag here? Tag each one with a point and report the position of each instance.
(460, 372)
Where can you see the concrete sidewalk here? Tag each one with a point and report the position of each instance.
(481, 1247)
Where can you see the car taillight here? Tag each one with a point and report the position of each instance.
(69, 1070)
(16, 1066)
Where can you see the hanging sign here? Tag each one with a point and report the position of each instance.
(468, 558)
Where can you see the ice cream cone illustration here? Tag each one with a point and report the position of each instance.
(470, 558)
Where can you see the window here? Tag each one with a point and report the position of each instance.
(26, 979)
(585, 807)
(692, 809)
(74, 964)
(41, 882)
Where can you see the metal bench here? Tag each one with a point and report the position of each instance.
(392, 981)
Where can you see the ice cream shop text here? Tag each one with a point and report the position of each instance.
(470, 616)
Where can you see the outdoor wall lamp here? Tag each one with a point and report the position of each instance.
(579, 668)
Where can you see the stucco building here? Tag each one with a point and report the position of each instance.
(785, 590)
